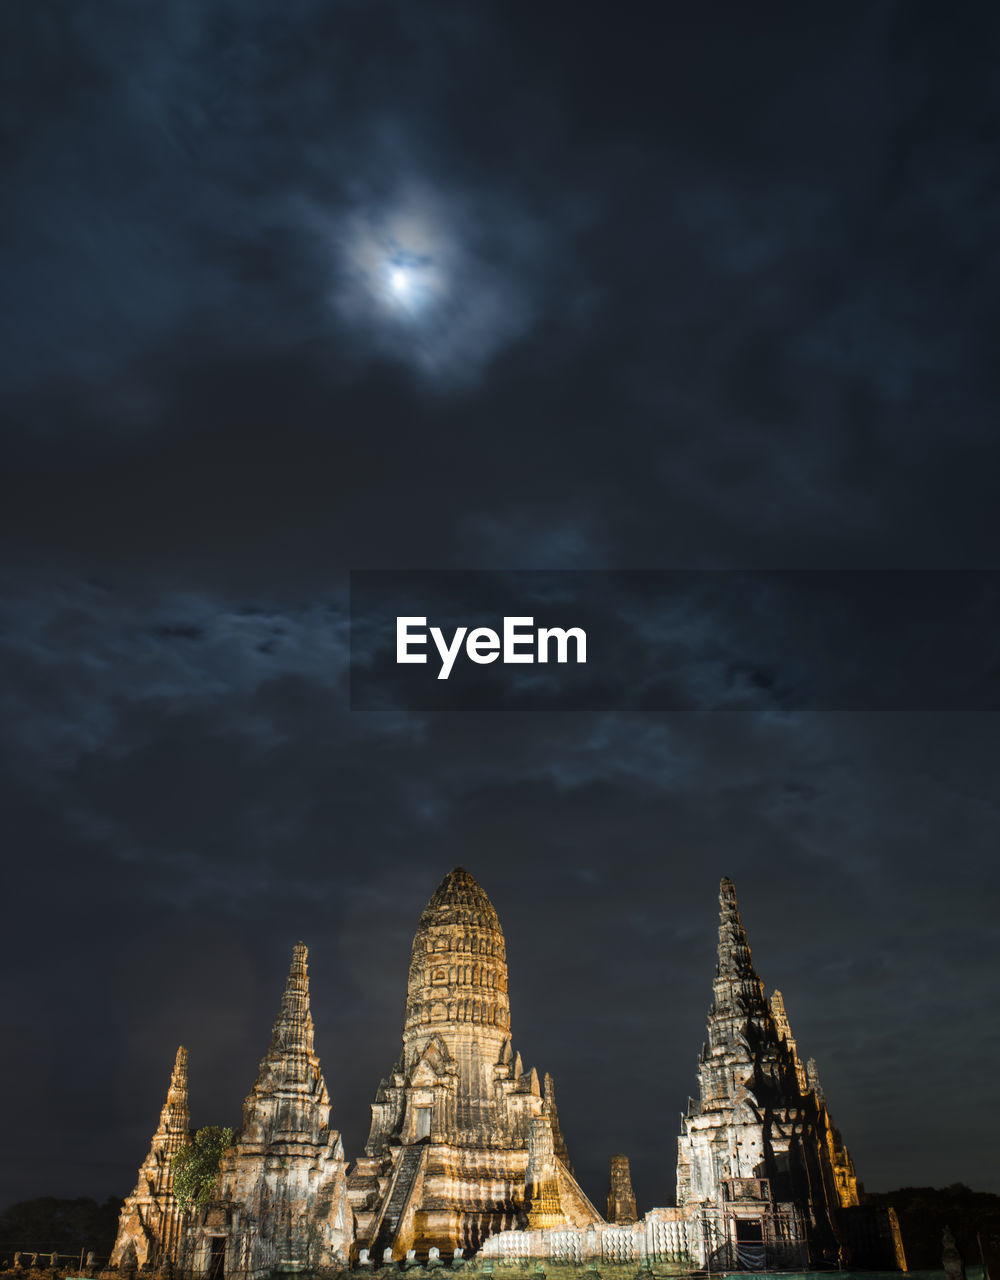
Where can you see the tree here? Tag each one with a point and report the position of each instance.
(49, 1225)
(196, 1166)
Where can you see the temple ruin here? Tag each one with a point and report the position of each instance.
(150, 1226)
(461, 1143)
(281, 1202)
(466, 1162)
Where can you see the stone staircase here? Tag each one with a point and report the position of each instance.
(405, 1176)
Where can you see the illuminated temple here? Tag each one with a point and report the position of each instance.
(466, 1166)
(464, 1142)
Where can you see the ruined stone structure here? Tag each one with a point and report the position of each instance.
(459, 1119)
(759, 1161)
(150, 1224)
(621, 1197)
(281, 1200)
(541, 1178)
(763, 1177)
(465, 1151)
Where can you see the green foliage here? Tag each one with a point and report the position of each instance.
(196, 1165)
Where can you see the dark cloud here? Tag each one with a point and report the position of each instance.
(713, 286)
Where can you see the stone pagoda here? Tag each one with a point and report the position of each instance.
(281, 1201)
(463, 1140)
(150, 1224)
(465, 1150)
(621, 1197)
(758, 1158)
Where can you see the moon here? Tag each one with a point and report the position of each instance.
(411, 283)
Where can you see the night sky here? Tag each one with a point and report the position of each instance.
(294, 289)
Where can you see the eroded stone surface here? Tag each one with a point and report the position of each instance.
(446, 1162)
(621, 1197)
(150, 1225)
(465, 1151)
(759, 1158)
(281, 1203)
(763, 1177)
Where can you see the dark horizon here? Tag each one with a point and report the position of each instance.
(335, 286)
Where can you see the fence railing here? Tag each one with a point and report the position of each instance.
(27, 1259)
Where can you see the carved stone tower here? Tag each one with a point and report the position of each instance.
(150, 1219)
(447, 1155)
(757, 1153)
(621, 1197)
(456, 998)
(282, 1198)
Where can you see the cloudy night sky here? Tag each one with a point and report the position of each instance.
(303, 288)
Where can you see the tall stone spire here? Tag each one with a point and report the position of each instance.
(756, 1130)
(734, 949)
(286, 1171)
(289, 1072)
(722, 1135)
(293, 1027)
(175, 1118)
(151, 1218)
(738, 989)
(739, 1018)
(291, 1057)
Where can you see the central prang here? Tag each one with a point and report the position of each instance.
(457, 1126)
(458, 968)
